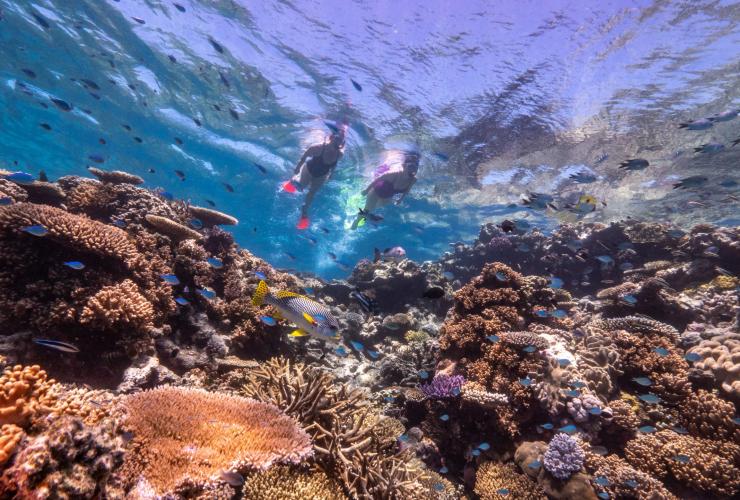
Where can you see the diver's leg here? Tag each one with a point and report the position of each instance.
(302, 178)
(315, 185)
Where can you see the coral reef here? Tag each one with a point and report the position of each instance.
(496, 481)
(563, 456)
(288, 483)
(25, 392)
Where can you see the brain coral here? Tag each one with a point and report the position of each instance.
(191, 434)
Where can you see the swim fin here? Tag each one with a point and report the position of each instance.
(302, 223)
(289, 187)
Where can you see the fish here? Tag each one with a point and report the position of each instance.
(526, 382)
(260, 275)
(603, 495)
(558, 313)
(356, 85)
(556, 282)
(568, 429)
(484, 446)
(548, 426)
(585, 204)
(217, 46)
(680, 430)
(233, 112)
(700, 124)
(493, 338)
(725, 116)
(501, 276)
(691, 182)
(119, 223)
(228, 187)
(178, 141)
(650, 398)
(309, 291)
(211, 203)
(448, 275)
(563, 362)
(439, 486)
(373, 354)
(368, 305)
(45, 126)
(444, 418)
(35, 230)
(635, 164)
(197, 122)
(542, 313)
(364, 214)
(538, 201)
(503, 491)
(310, 316)
(392, 254)
(179, 7)
(96, 158)
(583, 178)
(138, 20)
(631, 483)
(578, 384)
(357, 345)
(693, 357)
(443, 470)
(182, 301)
(261, 168)
(196, 223)
(61, 104)
(529, 349)
(605, 259)
(602, 158)
(297, 333)
(215, 263)
(534, 464)
(138, 139)
(170, 279)
(684, 459)
(601, 481)
(268, 320)
(75, 264)
(232, 478)
(5, 201)
(643, 381)
(20, 177)
(423, 374)
(630, 299)
(595, 411)
(572, 393)
(206, 293)
(736, 420)
(599, 450)
(662, 351)
(29, 72)
(180, 174)
(710, 148)
(523, 247)
(42, 176)
(57, 344)
(475, 452)
(341, 351)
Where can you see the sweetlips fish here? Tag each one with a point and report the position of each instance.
(393, 254)
(309, 316)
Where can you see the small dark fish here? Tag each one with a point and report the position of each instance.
(196, 223)
(43, 22)
(197, 122)
(234, 114)
(290, 256)
(180, 174)
(635, 164)
(228, 187)
(217, 107)
(151, 171)
(601, 159)
(216, 45)
(507, 226)
(583, 177)
(356, 85)
(57, 344)
(224, 80)
(441, 155)
(29, 72)
(232, 478)
(61, 104)
(690, 182)
(45, 126)
(127, 127)
(96, 158)
(178, 141)
(90, 83)
(368, 304)
(211, 203)
(712, 147)
(172, 58)
(138, 20)
(138, 139)
(700, 124)
(43, 177)
(261, 168)
(435, 292)
(102, 141)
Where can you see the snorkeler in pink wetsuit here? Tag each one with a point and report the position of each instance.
(381, 191)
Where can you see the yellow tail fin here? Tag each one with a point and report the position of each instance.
(260, 293)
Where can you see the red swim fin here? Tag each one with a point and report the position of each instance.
(289, 187)
(302, 223)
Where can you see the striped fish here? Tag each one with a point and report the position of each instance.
(311, 317)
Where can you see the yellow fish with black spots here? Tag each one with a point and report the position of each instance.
(309, 316)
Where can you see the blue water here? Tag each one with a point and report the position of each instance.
(501, 99)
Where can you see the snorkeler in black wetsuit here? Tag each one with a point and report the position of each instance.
(317, 170)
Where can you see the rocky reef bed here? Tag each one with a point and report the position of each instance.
(599, 361)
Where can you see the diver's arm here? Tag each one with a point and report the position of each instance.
(309, 152)
(403, 194)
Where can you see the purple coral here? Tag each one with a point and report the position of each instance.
(563, 457)
(443, 386)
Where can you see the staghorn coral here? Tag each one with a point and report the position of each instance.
(119, 306)
(700, 464)
(720, 357)
(443, 386)
(115, 176)
(290, 483)
(10, 436)
(211, 217)
(563, 457)
(172, 229)
(497, 481)
(190, 433)
(25, 394)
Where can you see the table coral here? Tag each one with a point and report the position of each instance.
(115, 176)
(172, 229)
(212, 217)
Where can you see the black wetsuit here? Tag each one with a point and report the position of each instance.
(317, 167)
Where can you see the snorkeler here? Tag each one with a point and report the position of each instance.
(381, 191)
(316, 171)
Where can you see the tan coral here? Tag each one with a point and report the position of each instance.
(637, 324)
(118, 306)
(12, 191)
(115, 176)
(211, 217)
(619, 474)
(720, 356)
(172, 229)
(290, 483)
(44, 192)
(523, 339)
(25, 392)
(497, 481)
(190, 433)
(10, 436)
(705, 414)
(475, 393)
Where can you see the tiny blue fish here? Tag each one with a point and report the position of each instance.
(444, 418)
(206, 293)
(501, 276)
(35, 230)
(568, 429)
(630, 299)
(423, 374)
(57, 344)
(268, 320)
(558, 313)
(196, 223)
(563, 362)
(75, 264)
(595, 411)
(357, 345)
(573, 393)
(167, 195)
(650, 398)
(601, 481)
(215, 263)
(625, 245)
(692, 357)
(526, 382)
(603, 495)
(548, 426)
(599, 450)
(389, 399)
(443, 470)
(493, 338)
(309, 291)
(503, 491)
(626, 266)
(684, 459)
(542, 313)
(535, 464)
(643, 381)
(529, 348)
(523, 247)
(119, 223)
(578, 384)
(5, 201)
(631, 483)
(341, 351)
(647, 429)
(662, 351)
(476, 452)
(484, 446)
(736, 420)
(679, 430)
(455, 391)
(182, 301)
(404, 438)
(260, 275)
(170, 279)
(373, 354)
(20, 177)
(604, 259)
(449, 276)
(556, 282)
(439, 486)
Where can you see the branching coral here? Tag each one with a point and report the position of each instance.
(181, 433)
(704, 414)
(563, 457)
(443, 386)
(289, 483)
(117, 307)
(10, 436)
(497, 481)
(25, 392)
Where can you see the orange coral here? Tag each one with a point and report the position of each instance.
(10, 436)
(25, 392)
(118, 306)
(190, 433)
(115, 176)
(705, 414)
